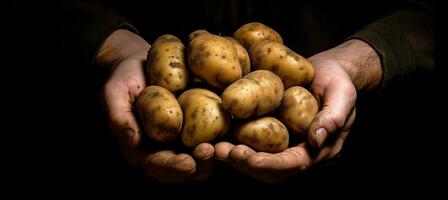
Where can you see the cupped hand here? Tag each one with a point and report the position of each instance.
(339, 73)
(125, 53)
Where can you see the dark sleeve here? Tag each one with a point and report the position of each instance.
(84, 26)
(404, 41)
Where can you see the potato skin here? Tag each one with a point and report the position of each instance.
(197, 33)
(266, 134)
(205, 118)
(251, 33)
(214, 60)
(166, 65)
(243, 56)
(160, 113)
(298, 109)
(293, 69)
(256, 94)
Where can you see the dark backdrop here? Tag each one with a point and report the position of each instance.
(61, 142)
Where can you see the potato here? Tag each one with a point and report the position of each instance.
(197, 33)
(205, 118)
(166, 64)
(293, 69)
(214, 60)
(243, 56)
(160, 113)
(166, 38)
(298, 109)
(256, 94)
(265, 134)
(252, 33)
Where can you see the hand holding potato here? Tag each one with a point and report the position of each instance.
(340, 72)
(126, 54)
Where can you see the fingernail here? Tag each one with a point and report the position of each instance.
(131, 139)
(321, 134)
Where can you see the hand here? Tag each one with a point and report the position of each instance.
(340, 73)
(267, 167)
(125, 53)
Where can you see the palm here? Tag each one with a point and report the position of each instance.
(120, 92)
(335, 92)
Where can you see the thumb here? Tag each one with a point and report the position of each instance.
(122, 121)
(339, 97)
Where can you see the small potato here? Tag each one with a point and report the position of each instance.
(243, 56)
(266, 134)
(166, 64)
(160, 113)
(298, 109)
(293, 69)
(205, 118)
(252, 33)
(214, 60)
(256, 94)
(196, 34)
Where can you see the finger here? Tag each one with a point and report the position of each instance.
(240, 153)
(120, 92)
(203, 151)
(166, 166)
(331, 150)
(122, 121)
(295, 158)
(323, 154)
(338, 101)
(169, 161)
(222, 150)
(344, 134)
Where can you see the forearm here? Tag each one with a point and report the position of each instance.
(404, 41)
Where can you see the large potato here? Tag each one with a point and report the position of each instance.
(160, 113)
(298, 109)
(166, 64)
(265, 134)
(293, 69)
(214, 60)
(252, 33)
(256, 94)
(205, 118)
(243, 56)
(197, 33)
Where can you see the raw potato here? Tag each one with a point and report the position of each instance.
(197, 33)
(214, 60)
(243, 56)
(252, 33)
(160, 113)
(298, 109)
(258, 93)
(166, 64)
(205, 118)
(266, 134)
(293, 69)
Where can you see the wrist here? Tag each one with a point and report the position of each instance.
(362, 64)
(119, 46)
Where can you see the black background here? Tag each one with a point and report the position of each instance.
(56, 137)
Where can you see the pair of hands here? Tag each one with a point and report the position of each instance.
(340, 73)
